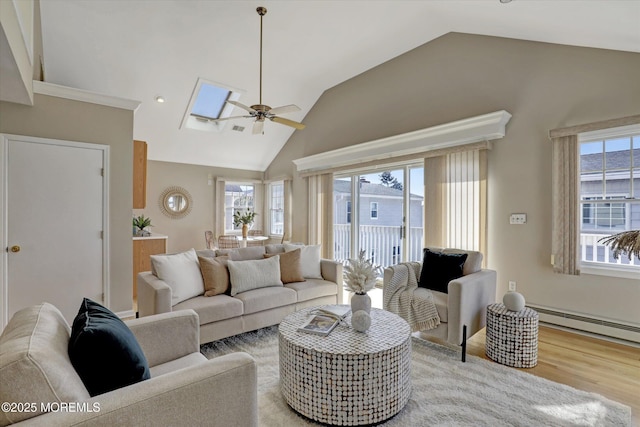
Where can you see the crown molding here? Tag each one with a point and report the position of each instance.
(66, 92)
(486, 127)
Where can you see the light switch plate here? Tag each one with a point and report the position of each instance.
(518, 218)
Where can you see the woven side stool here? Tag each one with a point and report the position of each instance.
(512, 336)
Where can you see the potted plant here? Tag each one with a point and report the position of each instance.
(244, 218)
(141, 222)
(360, 276)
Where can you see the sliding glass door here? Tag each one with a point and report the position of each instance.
(380, 212)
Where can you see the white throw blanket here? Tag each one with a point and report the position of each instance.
(420, 313)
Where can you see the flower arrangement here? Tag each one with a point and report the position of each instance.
(360, 274)
(245, 218)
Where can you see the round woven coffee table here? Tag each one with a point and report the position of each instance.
(347, 378)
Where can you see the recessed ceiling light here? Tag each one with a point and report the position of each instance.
(160, 99)
(505, 1)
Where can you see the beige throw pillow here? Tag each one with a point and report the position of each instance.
(290, 269)
(254, 274)
(215, 275)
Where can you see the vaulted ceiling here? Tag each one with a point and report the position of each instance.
(140, 49)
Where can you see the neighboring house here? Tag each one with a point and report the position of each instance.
(617, 215)
(379, 205)
(606, 205)
(380, 217)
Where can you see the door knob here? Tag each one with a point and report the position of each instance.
(15, 248)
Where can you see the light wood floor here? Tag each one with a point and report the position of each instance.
(609, 369)
(590, 364)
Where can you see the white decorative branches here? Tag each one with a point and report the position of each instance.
(360, 274)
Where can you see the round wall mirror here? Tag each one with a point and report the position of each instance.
(175, 202)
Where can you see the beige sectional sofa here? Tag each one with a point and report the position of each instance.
(224, 315)
(38, 378)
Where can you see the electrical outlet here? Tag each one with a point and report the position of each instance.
(518, 218)
(512, 285)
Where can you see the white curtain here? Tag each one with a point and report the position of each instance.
(435, 201)
(466, 200)
(456, 201)
(218, 211)
(288, 209)
(564, 228)
(321, 213)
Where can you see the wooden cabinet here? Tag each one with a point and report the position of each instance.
(143, 248)
(139, 174)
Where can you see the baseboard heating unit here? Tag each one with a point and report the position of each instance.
(606, 328)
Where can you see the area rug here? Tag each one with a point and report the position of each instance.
(445, 391)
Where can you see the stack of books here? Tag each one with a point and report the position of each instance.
(324, 319)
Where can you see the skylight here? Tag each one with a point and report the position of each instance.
(208, 102)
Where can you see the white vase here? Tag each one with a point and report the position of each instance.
(361, 302)
(514, 301)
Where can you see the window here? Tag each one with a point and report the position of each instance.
(609, 192)
(237, 197)
(374, 210)
(387, 237)
(209, 102)
(276, 208)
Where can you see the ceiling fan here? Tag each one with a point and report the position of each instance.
(260, 111)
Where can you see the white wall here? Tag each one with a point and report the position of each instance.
(64, 119)
(544, 86)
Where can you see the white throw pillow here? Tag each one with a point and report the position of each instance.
(181, 272)
(253, 274)
(309, 259)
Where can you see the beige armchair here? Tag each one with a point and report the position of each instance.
(463, 307)
(184, 386)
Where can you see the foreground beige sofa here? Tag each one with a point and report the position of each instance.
(184, 388)
(222, 316)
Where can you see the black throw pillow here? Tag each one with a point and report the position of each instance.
(104, 351)
(438, 269)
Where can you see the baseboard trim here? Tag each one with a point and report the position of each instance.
(600, 327)
(591, 335)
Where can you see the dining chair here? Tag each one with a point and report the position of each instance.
(208, 238)
(228, 242)
(255, 242)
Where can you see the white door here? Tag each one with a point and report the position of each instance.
(55, 216)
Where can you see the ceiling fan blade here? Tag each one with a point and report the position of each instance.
(284, 109)
(258, 126)
(288, 122)
(241, 105)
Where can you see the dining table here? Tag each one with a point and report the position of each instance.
(243, 241)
